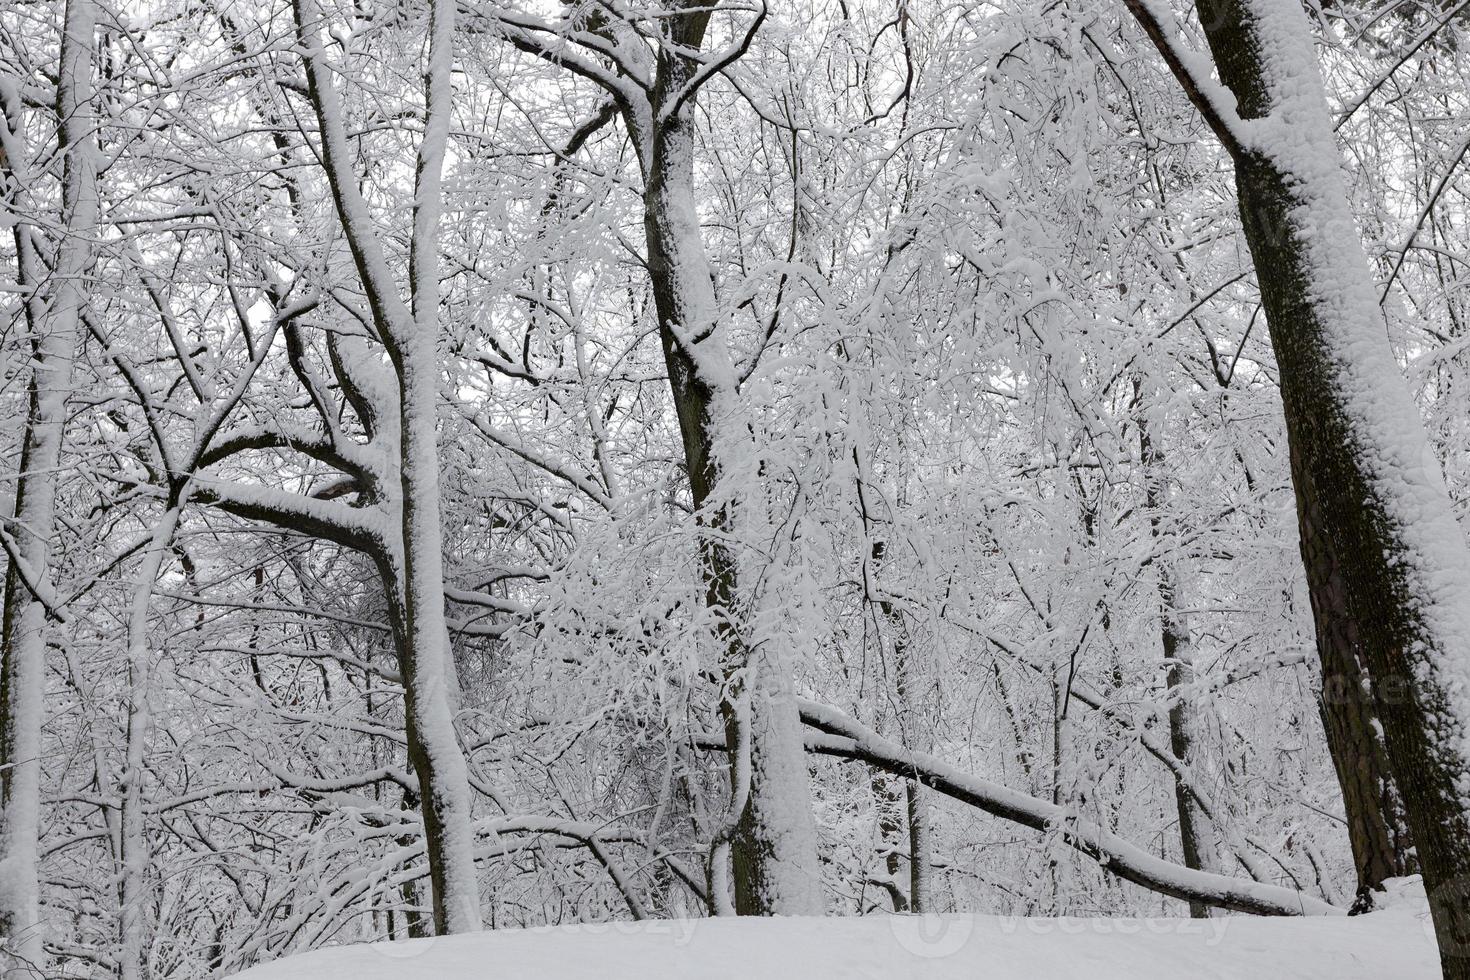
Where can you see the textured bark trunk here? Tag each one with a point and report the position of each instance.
(773, 851)
(1195, 839)
(769, 830)
(1378, 830)
(773, 831)
(890, 800)
(909, 724)
(55, 326)
(426, 661)
(918, 848)
(902, 831)
(1196, 835)
(416, 926)
(443, 798)
(1378, 534)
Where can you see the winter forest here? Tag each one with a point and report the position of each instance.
(472, 465)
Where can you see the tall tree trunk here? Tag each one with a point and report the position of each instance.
(133, 836)
(1196, 835)
(908, 724)
(891, 802)
(1379, 538)
(411, 337)
(55, 326)
(896, 799)
(918, 847)
(772, 837)
(773, 851)
(429, 688)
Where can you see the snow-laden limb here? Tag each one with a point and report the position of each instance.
(1137, 717)
(541, 461)
(35, 582)
(1138, 727)
(363, 529)
(1425, 36)
(846, 738)
(307, 786)
(1213, 101)
(628, 79)
(710, 66)
(388, 307)
(344, 454)
(1454, 160)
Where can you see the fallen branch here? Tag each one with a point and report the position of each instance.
(841, 736)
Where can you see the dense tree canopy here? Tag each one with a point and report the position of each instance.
(503, 464)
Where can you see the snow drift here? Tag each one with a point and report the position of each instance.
(1395, 943)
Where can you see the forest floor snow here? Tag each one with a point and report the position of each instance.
(1397, 943)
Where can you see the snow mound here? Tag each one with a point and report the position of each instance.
(1405, 894)
(1395, 943)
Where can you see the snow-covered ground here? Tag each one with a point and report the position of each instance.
(1396, 944)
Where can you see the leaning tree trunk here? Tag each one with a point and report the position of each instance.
(773, 851)
(1381, 544)
(56, 328)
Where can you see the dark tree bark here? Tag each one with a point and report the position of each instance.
(1378, 829)
(1385, 558)
(1196, 839)
(773, 852)
(901, 806)
(652, 71)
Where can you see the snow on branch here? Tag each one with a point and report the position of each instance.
(36, 582)
(629, 84)
(348, 526)
(1213, 101)
(710, 67)
(847, 738)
